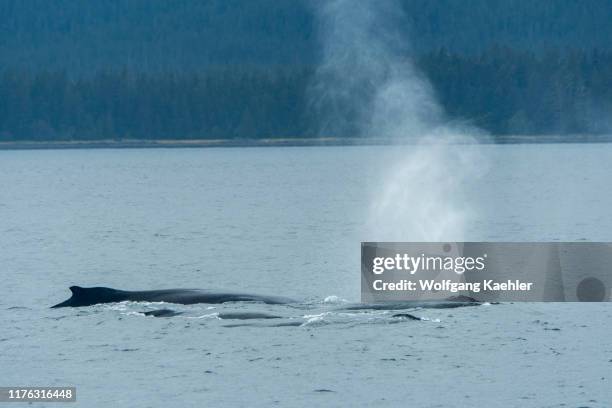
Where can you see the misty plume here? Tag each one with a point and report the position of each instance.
(367, 85)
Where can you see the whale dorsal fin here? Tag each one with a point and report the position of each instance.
(91, 296)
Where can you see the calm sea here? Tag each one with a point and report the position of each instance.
(287, 221)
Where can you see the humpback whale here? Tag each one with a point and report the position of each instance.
(92, 296)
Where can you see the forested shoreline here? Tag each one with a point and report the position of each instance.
(241, 69)
(502, 91)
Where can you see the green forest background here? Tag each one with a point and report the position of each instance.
(217, 69)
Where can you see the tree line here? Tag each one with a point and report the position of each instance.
(156, 35)
(502, 90)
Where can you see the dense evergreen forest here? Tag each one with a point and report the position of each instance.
(181, 69)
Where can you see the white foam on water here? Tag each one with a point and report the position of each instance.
(206, 316)
(333, 299)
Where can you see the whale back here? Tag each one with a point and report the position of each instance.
(91, 296)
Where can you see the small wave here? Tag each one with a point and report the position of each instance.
(333, 299)
(316, 320)
(316, 316)
(205, 316)
(18, 308)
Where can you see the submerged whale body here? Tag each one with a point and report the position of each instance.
(222, 316)
(93, 296)
(162, 313)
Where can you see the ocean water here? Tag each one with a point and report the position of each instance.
(284, 221)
